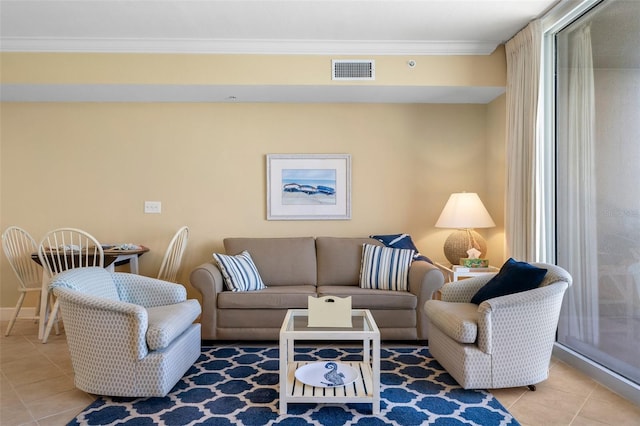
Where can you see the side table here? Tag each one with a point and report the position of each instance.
(457, 272)
(464, 272)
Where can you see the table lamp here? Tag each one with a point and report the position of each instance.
(464, 211)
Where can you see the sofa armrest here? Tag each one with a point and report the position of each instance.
(424, 280)
(147, 291)
(207, 279)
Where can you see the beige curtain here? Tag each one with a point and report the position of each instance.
(522, 224)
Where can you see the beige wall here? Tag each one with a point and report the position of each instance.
(181, 69)
(92, 165)
(495, 184)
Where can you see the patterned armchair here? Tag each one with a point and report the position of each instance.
(128, 335)
(504, 341)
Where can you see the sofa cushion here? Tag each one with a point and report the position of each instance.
(281, 261)
(239, 272)
(399, 319)
(251, 321)
(385, 268)
(276, 297)
(170, 321)
(513, 277)
(457, 320)
(364, 298)
(339, 259)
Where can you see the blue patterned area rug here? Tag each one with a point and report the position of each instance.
(239, 386)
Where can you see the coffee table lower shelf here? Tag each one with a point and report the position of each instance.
(361, 390)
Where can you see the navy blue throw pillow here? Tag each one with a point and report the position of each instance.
(402, 241)
(513, 277)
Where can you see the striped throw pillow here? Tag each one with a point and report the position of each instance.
(385, 268)
(239, 272)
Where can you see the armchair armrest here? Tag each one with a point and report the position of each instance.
(462, 291)
(146, 291)
(91, 318)
(424, 280)
(525, 320)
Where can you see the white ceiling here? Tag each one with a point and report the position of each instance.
(329, 27)
(265, 26)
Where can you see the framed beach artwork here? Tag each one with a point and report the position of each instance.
(308, 186)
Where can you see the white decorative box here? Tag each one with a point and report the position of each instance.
(329, 311)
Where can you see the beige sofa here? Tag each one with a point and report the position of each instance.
(295, 268)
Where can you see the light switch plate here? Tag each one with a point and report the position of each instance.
(153, 207)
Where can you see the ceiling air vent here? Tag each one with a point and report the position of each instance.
(353, 69)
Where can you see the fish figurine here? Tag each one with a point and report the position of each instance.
(334, 377)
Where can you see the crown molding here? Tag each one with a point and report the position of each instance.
(228, 46)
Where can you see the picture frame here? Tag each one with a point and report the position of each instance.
(308, 186)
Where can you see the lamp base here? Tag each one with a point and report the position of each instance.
(457, 244)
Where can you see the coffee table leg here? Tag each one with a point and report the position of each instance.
(283, 375)
(366, 351)
(375, 406)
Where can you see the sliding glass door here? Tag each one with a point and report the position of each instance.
(598, 183)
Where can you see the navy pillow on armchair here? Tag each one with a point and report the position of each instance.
(513, 277)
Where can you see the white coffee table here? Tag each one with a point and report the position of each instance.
(365, 389)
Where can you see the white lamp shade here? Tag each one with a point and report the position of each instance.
(464, 210)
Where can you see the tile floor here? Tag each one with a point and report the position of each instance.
(36, 388)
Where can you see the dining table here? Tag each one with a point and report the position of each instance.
(114, 255)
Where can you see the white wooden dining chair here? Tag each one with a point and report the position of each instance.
(18, 245)
(173, 256)
(59, 250)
